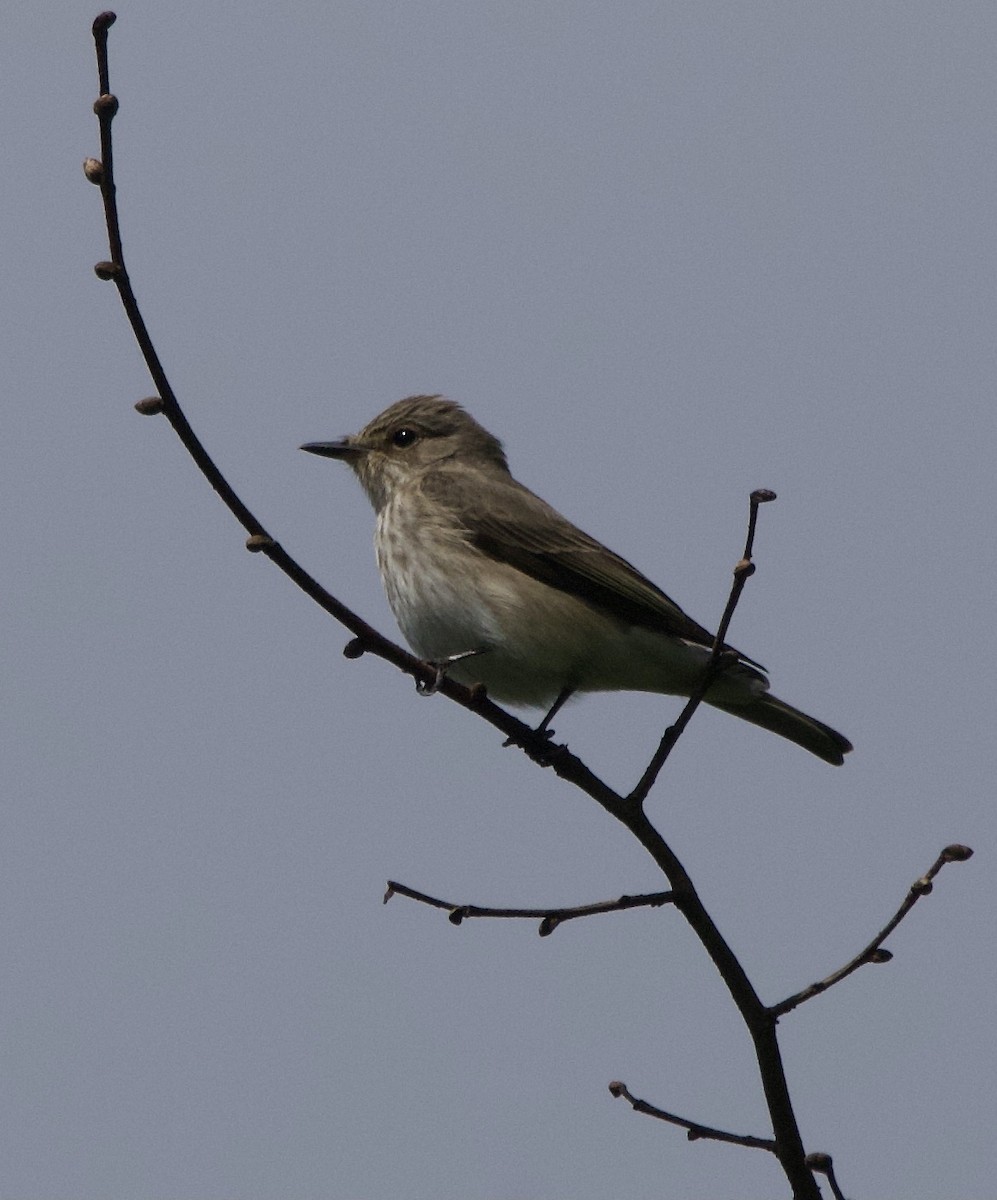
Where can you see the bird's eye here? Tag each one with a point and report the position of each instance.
(404, 437)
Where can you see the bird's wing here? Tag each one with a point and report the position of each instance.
(512, 525)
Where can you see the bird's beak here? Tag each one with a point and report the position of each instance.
(341, 449)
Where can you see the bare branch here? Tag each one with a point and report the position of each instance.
(715, 666)
(872, 952)
(549, 918)
(695, 1131)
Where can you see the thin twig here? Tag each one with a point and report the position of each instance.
(695, 1131)
(872, 953)
(549, 918)
(715, 664)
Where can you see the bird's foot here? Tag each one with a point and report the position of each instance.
(439, 667)
(563, 696)
(544, 728)
(547, 734)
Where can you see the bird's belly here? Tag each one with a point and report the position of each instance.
(444, 613)
(530, 640)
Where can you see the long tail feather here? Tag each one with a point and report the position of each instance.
(773, 714)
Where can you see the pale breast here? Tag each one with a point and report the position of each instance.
(430, 576)
(532, 639)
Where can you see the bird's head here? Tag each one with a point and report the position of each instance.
(409, 438)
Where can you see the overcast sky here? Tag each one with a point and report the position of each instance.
(668, 252)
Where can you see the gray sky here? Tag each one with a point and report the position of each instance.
(668, 253)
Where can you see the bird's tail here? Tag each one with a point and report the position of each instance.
(788, 722)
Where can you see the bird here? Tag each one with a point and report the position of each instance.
(493, 586)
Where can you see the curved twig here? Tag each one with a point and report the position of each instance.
(872, 952)
(695, 1131)
(742, 573)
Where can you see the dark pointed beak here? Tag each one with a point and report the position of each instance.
(340, 449)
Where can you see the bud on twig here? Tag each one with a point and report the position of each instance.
(106, 106)
(819, 1162)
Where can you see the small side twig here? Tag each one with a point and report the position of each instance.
(742, 573)
(694, 1130)
(873, 953)
(549, 918)
(824, 1165)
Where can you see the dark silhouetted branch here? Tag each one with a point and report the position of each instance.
(549, 918)
(873, 953)
(695, 1131)
(742, 573)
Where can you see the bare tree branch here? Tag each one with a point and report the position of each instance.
(695, 1131)
(872, 952)
(742, 573)
(549, 918)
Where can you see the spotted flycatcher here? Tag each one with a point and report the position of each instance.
(492, 584)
